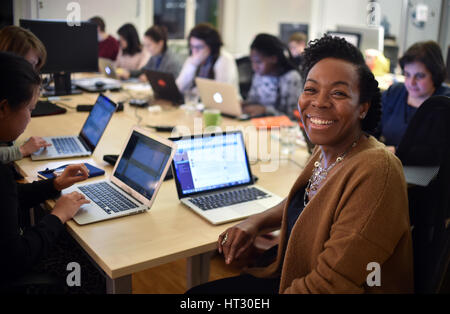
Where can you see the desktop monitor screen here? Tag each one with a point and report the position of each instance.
(352, 38)
(69, 48)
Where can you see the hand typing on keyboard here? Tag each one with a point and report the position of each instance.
(71, 175)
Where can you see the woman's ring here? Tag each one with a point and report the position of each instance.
(225, 238)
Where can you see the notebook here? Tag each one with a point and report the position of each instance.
(221, 96)
(272, 122)
(84, 144)
(134, 183)
(164, 86)
(52, 173)
(213, 178)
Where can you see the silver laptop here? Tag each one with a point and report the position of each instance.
(107, 68)
(134, 183)
(213, 177)
(84, 144)
(221, 96)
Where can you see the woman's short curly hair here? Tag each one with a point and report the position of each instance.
(339, 48)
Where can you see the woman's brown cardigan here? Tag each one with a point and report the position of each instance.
(359, 216)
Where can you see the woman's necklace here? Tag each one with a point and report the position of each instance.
(320, 173)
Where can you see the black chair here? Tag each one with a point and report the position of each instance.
(245, 73)
(429, 213)
(427, 143)
(427, 135)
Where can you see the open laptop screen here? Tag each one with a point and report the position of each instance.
(210, 162)
(97, 121)
(142, 164)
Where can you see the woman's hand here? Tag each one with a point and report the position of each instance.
(199, 57)
(72, 174)
(33, 144)
(123, 74)
(236, 240)
(254, 110)
(68, 205)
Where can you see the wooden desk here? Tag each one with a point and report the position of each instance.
(169, 231)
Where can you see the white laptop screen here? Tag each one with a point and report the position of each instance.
(142, 164)
(211, 162)
(97, 121)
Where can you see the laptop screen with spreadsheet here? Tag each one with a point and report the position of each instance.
(210, 162)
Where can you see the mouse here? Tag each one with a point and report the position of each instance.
(99, 84)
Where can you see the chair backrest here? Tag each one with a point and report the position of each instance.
(427, 135)
(429, 214)
(245, 73)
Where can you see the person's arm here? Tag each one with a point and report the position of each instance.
(290, 90)
(10, 153)
(241, 236)
(20, 252)
(185, 80)
(370, 225)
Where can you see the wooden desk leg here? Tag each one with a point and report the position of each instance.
(197, 268)
(120, 285)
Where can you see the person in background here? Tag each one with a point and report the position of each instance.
(23, 249)
(131, 55)
(424, 70)
(297, 44)
(276, 84)
(349, 206)
(162, 58)
(108, 46)
(207, 60)
(24, 43)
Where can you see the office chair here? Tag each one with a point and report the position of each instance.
(427, 135)
(429, 213)
(427, 143)
(245, 73)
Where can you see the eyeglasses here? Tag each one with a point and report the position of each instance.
(197, 47)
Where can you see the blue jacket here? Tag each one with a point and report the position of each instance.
(397, 113)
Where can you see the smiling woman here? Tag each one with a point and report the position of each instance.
(348, 209)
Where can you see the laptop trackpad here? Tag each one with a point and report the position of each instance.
(247, 208)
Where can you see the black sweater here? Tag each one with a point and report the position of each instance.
(20, 251)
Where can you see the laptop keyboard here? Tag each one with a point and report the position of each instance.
(228, 198)
(66, 145)
(108, 198)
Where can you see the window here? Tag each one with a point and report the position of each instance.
(180, 16)
(170, 13)
(206, 11)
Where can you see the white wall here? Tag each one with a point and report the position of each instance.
(243, 19)
(114, 12)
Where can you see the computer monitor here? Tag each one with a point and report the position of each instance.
(371, 37)
(352, 38)
(69, 49)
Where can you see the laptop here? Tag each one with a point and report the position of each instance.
(221, 96)
(107, 68)
(134, 183)
(84, 144)
(164, 86)
(213, 177)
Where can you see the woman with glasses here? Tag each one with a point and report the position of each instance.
(207, 60)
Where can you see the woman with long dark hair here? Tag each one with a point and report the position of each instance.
(131, 55)
(207, 59)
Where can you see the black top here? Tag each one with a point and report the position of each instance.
(294, 210)
(21, 250)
